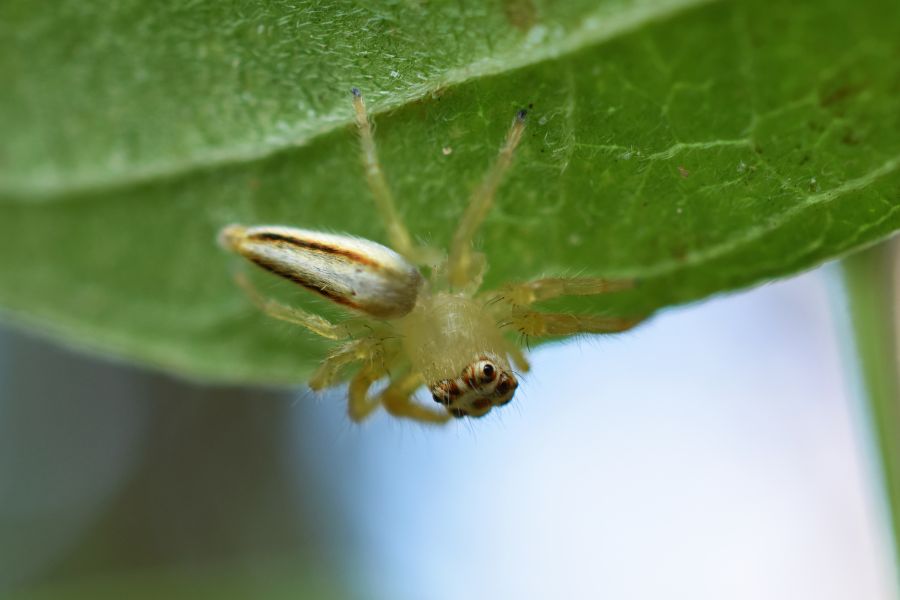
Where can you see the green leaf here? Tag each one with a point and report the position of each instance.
(699, 146)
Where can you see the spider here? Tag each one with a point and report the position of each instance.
(441, 332)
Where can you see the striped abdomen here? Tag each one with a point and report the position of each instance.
(353, 272)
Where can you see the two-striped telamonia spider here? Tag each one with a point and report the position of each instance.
(440, 331)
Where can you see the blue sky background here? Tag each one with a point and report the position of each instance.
(713, 453)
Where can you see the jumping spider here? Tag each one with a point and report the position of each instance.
(441, 332)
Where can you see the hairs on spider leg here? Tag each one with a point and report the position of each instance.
(525, 340)
(390, 337)
(494, 300)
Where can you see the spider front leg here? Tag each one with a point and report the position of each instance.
(518, 358)
(529, 292)
(399, 236)
(361, 404)
(517, 296)
(396, 398)
(465, 267)
(538, 324)
(329, 372)
(398, 401)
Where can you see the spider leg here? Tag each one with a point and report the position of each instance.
(551, 324)
(518, 358)
(398, 401)
(329, 371)
(396, 398)
(381, 193)
(314, 323)
(529, 292)
(466, 266)
(361, 404)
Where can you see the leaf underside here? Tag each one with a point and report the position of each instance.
(698, 146)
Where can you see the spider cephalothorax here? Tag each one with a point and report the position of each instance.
(445, 333)
(483, 384)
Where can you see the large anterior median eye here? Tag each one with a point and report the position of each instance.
(485, 371)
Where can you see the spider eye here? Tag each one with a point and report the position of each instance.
(488, 370)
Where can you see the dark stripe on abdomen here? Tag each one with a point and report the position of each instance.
(268, 236)
(291, 276)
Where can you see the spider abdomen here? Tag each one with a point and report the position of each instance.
(353, 272)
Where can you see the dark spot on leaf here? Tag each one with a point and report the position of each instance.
(850, 138)
(683, 172)
(521, 14)
(838, 95)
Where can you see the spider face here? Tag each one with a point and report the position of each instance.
(482, 385)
